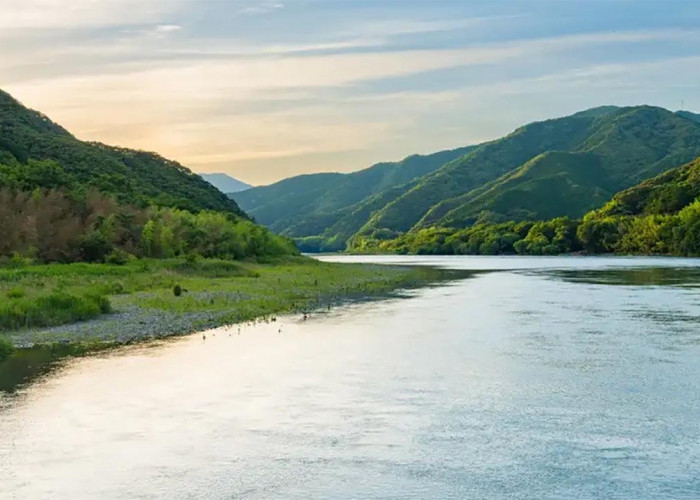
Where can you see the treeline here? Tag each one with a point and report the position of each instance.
(676, 234)
(52, 225)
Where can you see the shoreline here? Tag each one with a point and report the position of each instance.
(149, 316)
(209, 300)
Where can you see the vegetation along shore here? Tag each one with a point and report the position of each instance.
(94, 304)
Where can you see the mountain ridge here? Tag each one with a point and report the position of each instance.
(37, 152)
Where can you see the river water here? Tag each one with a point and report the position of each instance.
(535, 378)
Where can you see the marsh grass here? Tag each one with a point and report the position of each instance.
(54, 308)
(231, 291)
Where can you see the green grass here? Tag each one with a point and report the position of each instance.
(222, 291)
(54, 308)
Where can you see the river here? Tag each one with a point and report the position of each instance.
(563, 377)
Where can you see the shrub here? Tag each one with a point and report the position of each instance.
(191, 259)
(115, 288)
(117, 257)
(15, 293)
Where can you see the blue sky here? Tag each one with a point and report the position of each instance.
(263, 90)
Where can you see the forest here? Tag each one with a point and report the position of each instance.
(53, 225)
(660, 216)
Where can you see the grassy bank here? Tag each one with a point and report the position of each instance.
(79, 303)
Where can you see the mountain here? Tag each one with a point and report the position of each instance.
(659, 216)
(664, 194)
(313, 205)
(225, 183)
(689, 115)
(564, 166)
(36, 152)
(560, 167)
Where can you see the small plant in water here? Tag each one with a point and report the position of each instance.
(177, 290)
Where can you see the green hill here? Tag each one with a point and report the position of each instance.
(560, 167)
(308, 205)
(36, 152)
(565, 166)
(664, 194)
(658, 216)
(552, 184)
(64, 200)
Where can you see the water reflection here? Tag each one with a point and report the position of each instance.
(28, 364)
(644, 276)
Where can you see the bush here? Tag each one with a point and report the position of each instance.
(15, 293)
(117, 257)
(116, 288)
(191, 259)
(6, 349)
(177, 290)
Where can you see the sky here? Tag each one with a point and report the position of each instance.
(264, 90)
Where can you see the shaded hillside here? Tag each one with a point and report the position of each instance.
(279, 205)
(665, 194)
(35, 152)
(309, 204)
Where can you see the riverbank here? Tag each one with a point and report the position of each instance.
(139, 300)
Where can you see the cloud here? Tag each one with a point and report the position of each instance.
(149, 79)
(51, 14)
(261, 7)
(167, 28)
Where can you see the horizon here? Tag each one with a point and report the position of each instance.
(262, 91)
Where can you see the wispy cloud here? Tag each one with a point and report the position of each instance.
(213, 93)
(261, 7)
(38, 14)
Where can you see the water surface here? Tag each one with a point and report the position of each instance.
(537, 378)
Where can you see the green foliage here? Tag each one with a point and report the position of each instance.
(37, 153)
(218, 292)
(53, 227)
(526, 238)
(54, 308)
(16, 293)
(651, 218)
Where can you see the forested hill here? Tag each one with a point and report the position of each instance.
(560, 167)
(308, 205)
(36, 152)
(664, 194)
(64, 200)
(564, 166)
(660, 216)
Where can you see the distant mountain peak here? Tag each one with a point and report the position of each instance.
(598, 111)
(225, 183)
